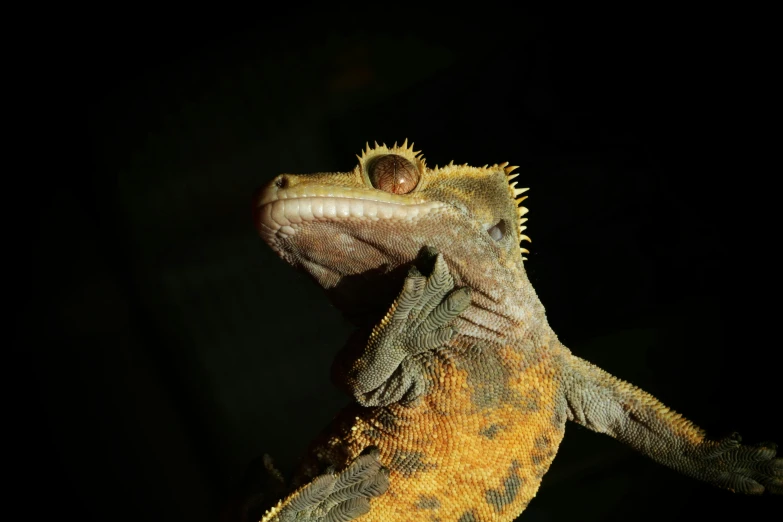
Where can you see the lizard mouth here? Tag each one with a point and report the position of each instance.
(280, 212)
(340, 236)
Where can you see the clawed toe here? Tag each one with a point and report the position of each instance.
(337, 497)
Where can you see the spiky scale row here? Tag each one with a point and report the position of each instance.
(417, 159)
(518, 191)
(516, 194)
(414, 156)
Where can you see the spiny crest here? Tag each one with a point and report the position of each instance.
(404, 150)
(417, 159)
(514, 192)
(458, 167)
(516, 195)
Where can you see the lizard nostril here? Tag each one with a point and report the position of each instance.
(282, 182)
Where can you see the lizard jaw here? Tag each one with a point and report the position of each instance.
(358, 243)
(280, 213)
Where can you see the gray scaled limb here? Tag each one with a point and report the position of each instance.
(419, 321)
(603, 403)
(729, 464)
(335, 497)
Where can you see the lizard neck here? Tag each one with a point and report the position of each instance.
(504, 307)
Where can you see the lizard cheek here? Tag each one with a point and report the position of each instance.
(394, 174)
(497, 231)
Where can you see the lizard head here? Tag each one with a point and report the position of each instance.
(353, 231)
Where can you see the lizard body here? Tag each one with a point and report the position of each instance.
(465, 396)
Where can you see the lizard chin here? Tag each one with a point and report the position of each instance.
(358, 244)
(343, 244)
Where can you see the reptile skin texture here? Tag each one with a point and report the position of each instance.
(462, 389)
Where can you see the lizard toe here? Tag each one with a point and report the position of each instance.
(348, 510)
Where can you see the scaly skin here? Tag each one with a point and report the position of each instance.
(468, 419)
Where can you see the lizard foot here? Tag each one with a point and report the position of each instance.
(420, 320)
(336, 497)
(744, 469)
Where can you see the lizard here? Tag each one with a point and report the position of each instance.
(462, 390)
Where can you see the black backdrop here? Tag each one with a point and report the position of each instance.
(167, 346)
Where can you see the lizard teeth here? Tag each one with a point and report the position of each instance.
(280, 218)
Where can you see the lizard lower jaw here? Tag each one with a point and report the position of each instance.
(280, 219)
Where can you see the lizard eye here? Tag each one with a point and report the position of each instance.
(497, 231)
(394, 174)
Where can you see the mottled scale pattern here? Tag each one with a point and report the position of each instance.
(491, 403)
(463, 450)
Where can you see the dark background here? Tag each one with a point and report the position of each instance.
(165, 345)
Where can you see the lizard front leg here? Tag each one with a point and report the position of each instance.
(388, 371)
(605, 404)
(419, 321)
(334, 497)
